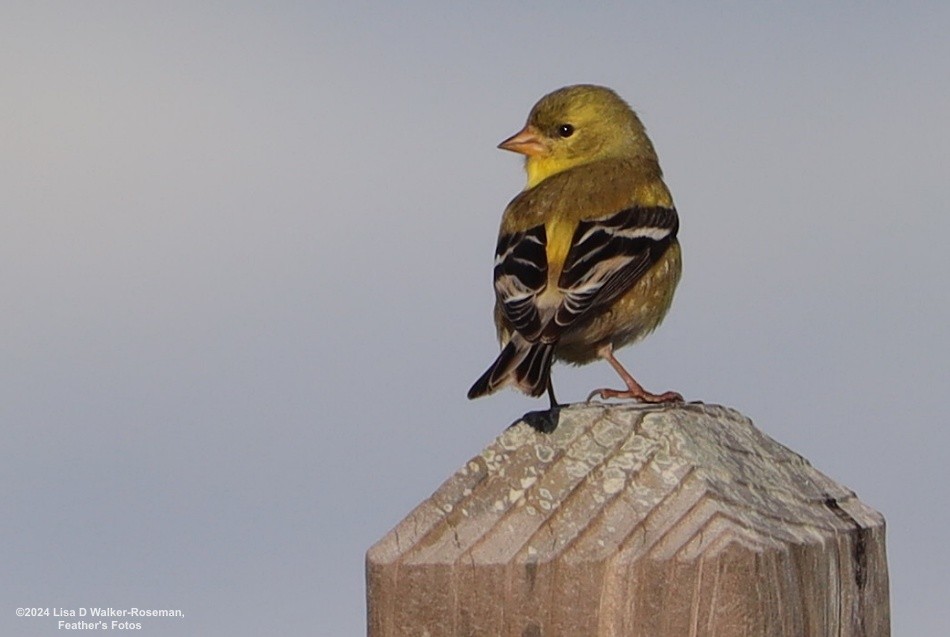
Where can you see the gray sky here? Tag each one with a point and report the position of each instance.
(246, 260)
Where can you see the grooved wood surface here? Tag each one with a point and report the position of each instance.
(633, 520)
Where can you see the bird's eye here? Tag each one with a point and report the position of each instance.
(565, 130)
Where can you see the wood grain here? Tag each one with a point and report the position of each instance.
(633, 520)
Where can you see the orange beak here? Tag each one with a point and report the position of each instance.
(527, 141)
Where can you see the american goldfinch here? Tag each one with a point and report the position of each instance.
(587, 258)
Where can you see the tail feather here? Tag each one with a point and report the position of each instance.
(525, 365)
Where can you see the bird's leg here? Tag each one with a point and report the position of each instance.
(634, 389)
(544, 421)
(554, 403)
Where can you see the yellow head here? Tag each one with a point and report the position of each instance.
(576, 125)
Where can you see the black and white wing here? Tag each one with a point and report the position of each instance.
(521, 274)
(607, 257)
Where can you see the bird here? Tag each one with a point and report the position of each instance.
(587, 258)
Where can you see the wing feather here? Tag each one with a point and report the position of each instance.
(607, 257)
(521, 274)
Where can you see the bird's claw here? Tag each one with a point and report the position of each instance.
(642, 396)
(665, 397)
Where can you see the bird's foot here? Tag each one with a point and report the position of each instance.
(543, 421)
(639, 394)
(634, 389)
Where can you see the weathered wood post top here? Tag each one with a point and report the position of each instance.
(631, 520)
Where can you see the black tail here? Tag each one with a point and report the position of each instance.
(525, 365)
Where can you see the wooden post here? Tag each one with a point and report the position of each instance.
(629, 520)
